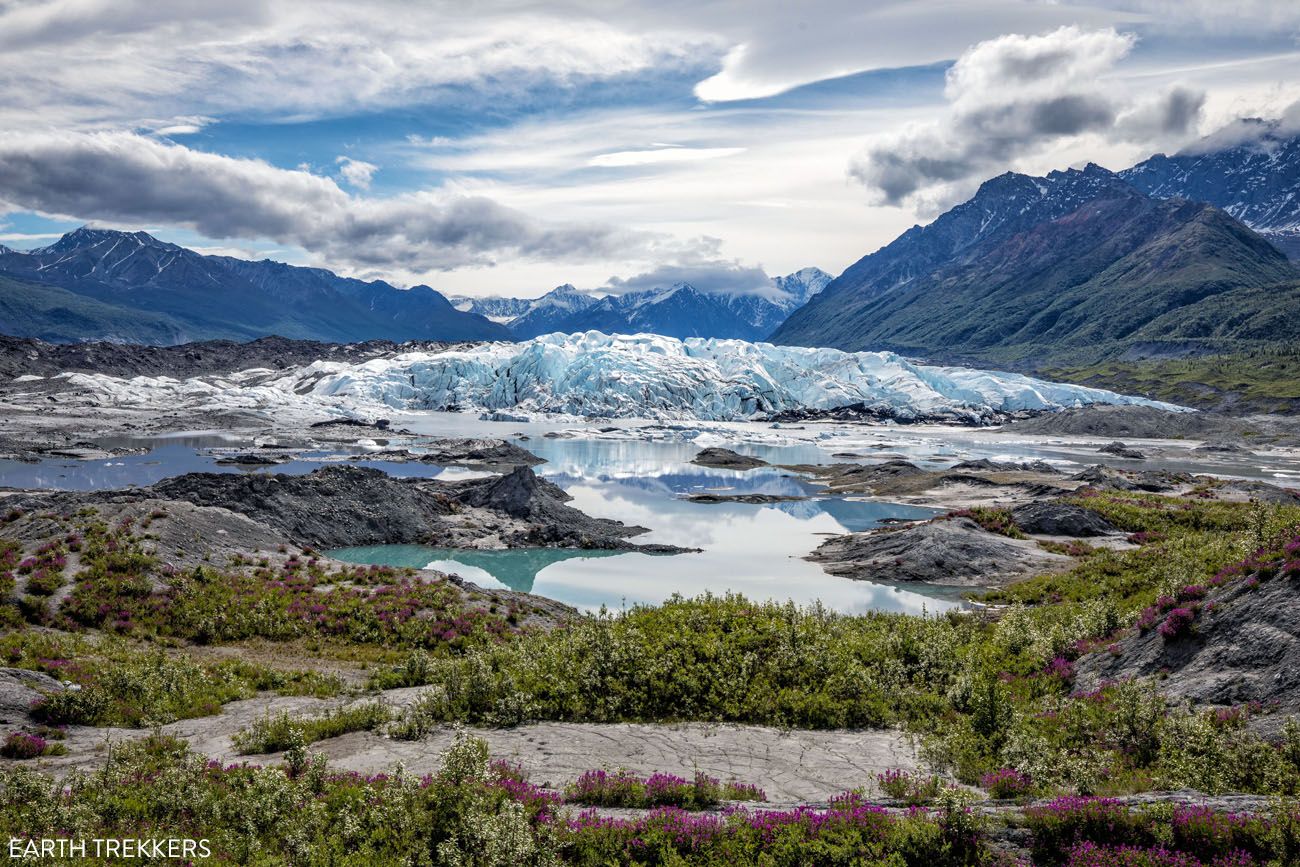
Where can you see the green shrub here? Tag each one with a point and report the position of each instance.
(912, 789)
(130, 688)
(272, 734)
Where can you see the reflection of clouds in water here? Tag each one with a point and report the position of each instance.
(473, 574)
(755, 550)
(639, 578)
(692, 481)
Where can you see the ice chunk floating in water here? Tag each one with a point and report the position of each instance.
(646, 375)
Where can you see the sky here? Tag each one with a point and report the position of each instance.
(506, 147)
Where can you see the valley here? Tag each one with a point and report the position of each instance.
(327, 537)
(211, 573)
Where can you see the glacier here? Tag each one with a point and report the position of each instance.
(651, 376)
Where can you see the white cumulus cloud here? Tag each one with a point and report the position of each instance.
(127, 178)
(1012, 96)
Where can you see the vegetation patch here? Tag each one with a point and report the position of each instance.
(993, 519)
(601, 788)
(474, 811)
(22, 745)
(112, 682)
(124, 590)
(272, 734)
(912, 789)
(1263, 379)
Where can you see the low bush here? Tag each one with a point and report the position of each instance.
(119, 686)
(600, 788)
(21, 745)
(711, 658)
(912, 789)
(272, 734)
(1100, 831)
(1007, 783)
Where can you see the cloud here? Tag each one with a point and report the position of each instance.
(96, 63)
(707, 276)
(1259, 132)
(664, 154)
(1013, 96)
(128, 178)
(781, 45)
(356, 172)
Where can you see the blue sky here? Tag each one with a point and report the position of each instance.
(516, 146)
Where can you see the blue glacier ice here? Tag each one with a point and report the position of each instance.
(650, 376)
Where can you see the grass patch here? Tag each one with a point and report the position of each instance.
(1266, 379)
(273, 734)
(118, 683)
(995, 520)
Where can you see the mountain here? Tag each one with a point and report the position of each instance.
(1254, 175)
(495, 307)
(679, 311)
(801, 286)
(115, 277)
(58, 316)
(1078, 264)
(551, 311)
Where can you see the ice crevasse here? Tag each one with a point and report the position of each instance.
(647, 375)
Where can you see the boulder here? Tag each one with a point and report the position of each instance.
(1055, 518)
(726, 459)
(954, 551)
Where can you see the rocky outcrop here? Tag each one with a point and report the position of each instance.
(753, 499)
(726, 459)
(340, 506)
(986, 465)
(540, 504)
(1121, 450)
(954, 551)
(1110, 479)
(480, 452)
(18, 689)
(1243, 646)
(331, 507)
(1221, 448)
(845, 478)
(1245, 489)
(1055, 518)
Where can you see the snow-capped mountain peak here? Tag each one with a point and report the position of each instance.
(798, 287)
(1251, 170)
(102, 240)
(677, 310)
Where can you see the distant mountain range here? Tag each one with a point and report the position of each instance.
(98, 284)
(1178, 255)
(1077, 265)
(680, 310)
(496, 308)
(1254, 175)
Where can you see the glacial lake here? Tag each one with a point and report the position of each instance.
(641, 475)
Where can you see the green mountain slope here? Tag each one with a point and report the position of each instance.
(1119, 270)
(59, 316)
